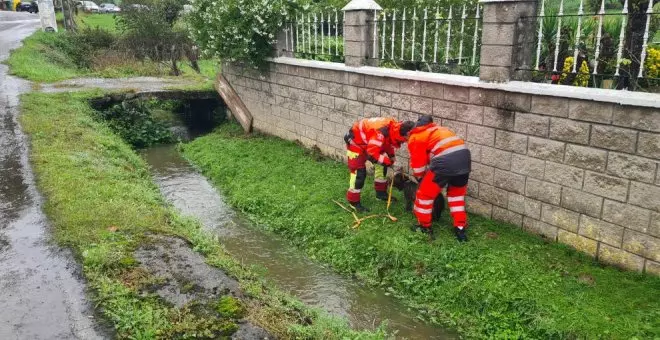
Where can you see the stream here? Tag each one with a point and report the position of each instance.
(286, 266)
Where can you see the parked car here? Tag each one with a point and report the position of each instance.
(139, 7)
(31, 7)
(109, 8)
(88, 6)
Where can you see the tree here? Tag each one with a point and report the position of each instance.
(67, 11)
(633, 45)
(151, 31)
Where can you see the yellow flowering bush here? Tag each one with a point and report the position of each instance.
(652, 64)
(582, 78)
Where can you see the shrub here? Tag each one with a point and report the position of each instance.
(653, 63)
(150, 31)
(80, 47)
(235, 30)
(582, 75)
(134, 122)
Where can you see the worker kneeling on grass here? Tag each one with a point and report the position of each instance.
(439, 159)
(373, 139)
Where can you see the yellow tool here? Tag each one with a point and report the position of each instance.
(358, 220)
(389, 202)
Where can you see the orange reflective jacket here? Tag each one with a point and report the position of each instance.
(428, 141)
(374, 135)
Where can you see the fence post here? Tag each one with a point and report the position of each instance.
(360, 33)
(285, 44)
(505, 47)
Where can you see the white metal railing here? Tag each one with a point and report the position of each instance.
(318, 35)
(589, 45)
(430, 39)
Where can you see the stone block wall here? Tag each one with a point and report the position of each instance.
(581, 172)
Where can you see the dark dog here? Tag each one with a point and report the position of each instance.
(408, 186)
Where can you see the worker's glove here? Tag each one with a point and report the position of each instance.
(387, 161)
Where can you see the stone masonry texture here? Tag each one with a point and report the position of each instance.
(583, 173)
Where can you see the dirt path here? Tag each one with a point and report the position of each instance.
(41, 291)
(141, 84)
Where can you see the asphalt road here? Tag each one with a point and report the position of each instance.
(42, 294)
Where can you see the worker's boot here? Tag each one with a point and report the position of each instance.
(384, 196)
(460, 234)
(426, 230)
(359, 207)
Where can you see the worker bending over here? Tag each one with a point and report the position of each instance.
(375, 140)
(439, 159)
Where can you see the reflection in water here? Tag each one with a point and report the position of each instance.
(364, 307)
(13, 189)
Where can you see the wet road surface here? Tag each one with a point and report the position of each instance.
(42, 295)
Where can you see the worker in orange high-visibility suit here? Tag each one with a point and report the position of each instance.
(439, 159)
(375, 140)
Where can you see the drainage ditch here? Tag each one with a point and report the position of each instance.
(193, 195)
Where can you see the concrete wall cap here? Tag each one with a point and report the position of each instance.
(362, 5)
(563, 91)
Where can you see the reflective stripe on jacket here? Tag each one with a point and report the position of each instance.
(370, 135)
(429, 141)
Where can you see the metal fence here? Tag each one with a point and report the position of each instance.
(316, 36)
(589, 43)
(443, 40)
(608, 46)
(437, 39)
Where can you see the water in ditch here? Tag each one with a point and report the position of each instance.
(287, 267)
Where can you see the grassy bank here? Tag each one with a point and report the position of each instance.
(102, 203)
(504, 283)
(44, 58)
(51, 57)
(94, 20)
(40, 60)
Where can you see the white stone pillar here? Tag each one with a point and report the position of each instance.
(360, 33)
(503, 44)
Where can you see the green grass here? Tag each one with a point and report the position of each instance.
(88, 20)
(504, 283)
(38, 60)
(42, 59)
(102, 21)
(101, 203)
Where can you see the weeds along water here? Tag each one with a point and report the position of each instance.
(504, 283)
(142, 122)
(287, 267)
(102, 203)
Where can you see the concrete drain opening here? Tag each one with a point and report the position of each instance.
(151, 118)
